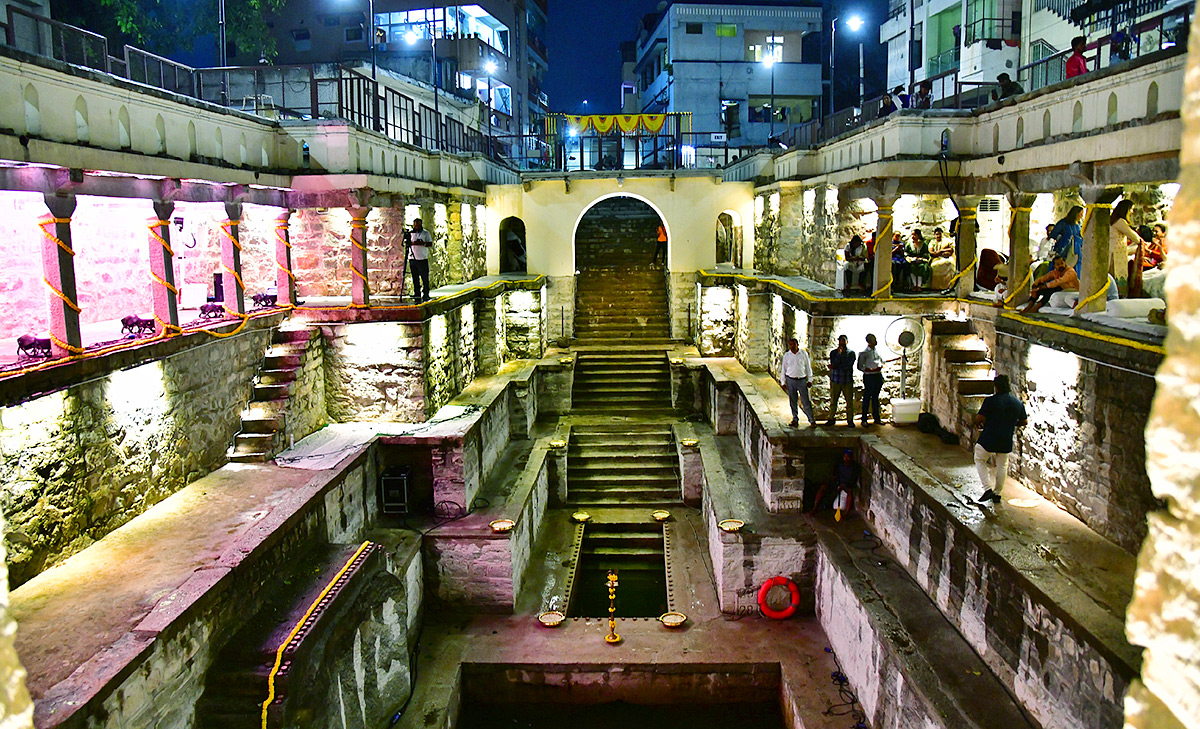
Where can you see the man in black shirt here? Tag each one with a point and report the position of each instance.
(999, 417)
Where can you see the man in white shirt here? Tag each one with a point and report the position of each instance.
(419, 241)
(795, 376)
(871, 365)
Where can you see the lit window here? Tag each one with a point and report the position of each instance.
(694, 28)
(775, 48)
(354, 35)
(726, 30)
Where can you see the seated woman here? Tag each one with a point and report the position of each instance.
(918, 256)
(1125, 251)
(899, 264)
(1156, 250)
(1068, 237)
(941, 246)
(985, 270)
(1060, 278)
(855, 268)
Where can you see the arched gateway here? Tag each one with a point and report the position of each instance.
(620, 258)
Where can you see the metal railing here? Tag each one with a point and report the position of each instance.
(328, 91)
(1153, 35)
(944, 62)
(985, 29)
(669, 150)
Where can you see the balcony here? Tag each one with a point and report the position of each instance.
(944, 62)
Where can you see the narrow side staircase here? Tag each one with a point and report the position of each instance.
(622, 382)
(622, 465)
(961, 375)
(261, 436)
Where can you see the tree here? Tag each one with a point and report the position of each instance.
(169, 27)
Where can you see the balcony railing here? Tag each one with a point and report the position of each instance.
(944, 62)
(273, 92)
(986, 29)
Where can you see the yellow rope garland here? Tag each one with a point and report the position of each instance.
(74, 307)
(227, 230)
(287, 244)
(962, 273)
(153, 227)
(1103, 289)
(164, 283)
(1012, 294)
(50, 236)
(882, 288)
(266, 705)
(64, 345)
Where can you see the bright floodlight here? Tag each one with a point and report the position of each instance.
(855, 23)
(411, 37)
(768, 60)
(490, 66)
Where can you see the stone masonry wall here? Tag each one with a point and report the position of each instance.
(524, 324)
(1163, 616)
(306, 411)
(1084, 447)
(78, 463)
(818, 232)
(718, 326)
(16, 709)
(1061, 674)
(373, 371)
(823, 332)
(681, 290)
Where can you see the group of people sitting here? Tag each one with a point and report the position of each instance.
(1133, 255)
(912, 261)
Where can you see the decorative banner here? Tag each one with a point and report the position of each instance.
(628, 123)
(654, 122)
(578, 123)
(603, 124)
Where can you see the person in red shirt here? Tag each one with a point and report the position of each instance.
(1077, 65)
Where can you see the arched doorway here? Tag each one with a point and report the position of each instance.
(729, 238)
(620, 288)
(512, 245)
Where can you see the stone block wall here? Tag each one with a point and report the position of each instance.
(816, 226)
(16, 708)
(1085, 445)
(681, 290)
(560, 302)
(823, 332)
(306, 412)
(80, 462)
(373, 371)
(524, 324)
(470, 569)
(1064, 675)
(718, 325)
(450, 355)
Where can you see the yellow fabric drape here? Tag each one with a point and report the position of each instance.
(654, 122)
(603, 124)
(578, 123)
(628, 123)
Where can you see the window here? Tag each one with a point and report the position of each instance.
(774, 49)
(726, 30)
(694, 28)
(354, 35)
(302, 39)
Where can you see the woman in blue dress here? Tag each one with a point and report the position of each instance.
(1068, 238)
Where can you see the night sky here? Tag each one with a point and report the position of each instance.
(584, 39)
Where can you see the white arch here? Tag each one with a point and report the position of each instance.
(608, 196)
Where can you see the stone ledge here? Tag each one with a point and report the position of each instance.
(60, 376)
(269, 534)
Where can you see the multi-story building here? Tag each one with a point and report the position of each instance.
(732, 67)
(492, 51)
(961, 46)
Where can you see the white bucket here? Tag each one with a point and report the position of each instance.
(905, 411)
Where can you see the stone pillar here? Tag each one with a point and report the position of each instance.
(794, 256)
(486, 336)
(966, 254)
(1020, 264)
(360, 289)
(456, 263)
(758, 331)
(231, 261)
(162, 270)
(1093, 267)
(882, 287)
(58, 269)
(285, 278)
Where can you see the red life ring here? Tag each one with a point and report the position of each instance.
(771, 612)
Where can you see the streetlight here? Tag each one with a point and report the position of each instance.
(490, 67)
(769, 62)
(856, 23)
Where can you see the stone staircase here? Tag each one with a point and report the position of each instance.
(635, 550)
(961, 375)
(622, 465)
(622, 382)
(620, 294)
(236, 685)
(263, 425)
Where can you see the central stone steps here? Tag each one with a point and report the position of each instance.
(628, 382)
(622, 465)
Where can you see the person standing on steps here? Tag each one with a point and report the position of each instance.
(999, 417)
(870, 363)
(795, 375)
(419, 241)
(841, 381)
(660, 247)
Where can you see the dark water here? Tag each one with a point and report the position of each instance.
(641, 593)
(619, 715)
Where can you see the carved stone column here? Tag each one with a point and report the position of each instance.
(883, 246)
(1093, 266)
(58, 270)
(285, 277)
(360, 289)
(1020, 263)
(162, 270)
(231, 261)
(967, 256)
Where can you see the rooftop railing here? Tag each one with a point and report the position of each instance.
(328, 91)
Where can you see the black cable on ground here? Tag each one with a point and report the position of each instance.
(872, 544)
(848, 706)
